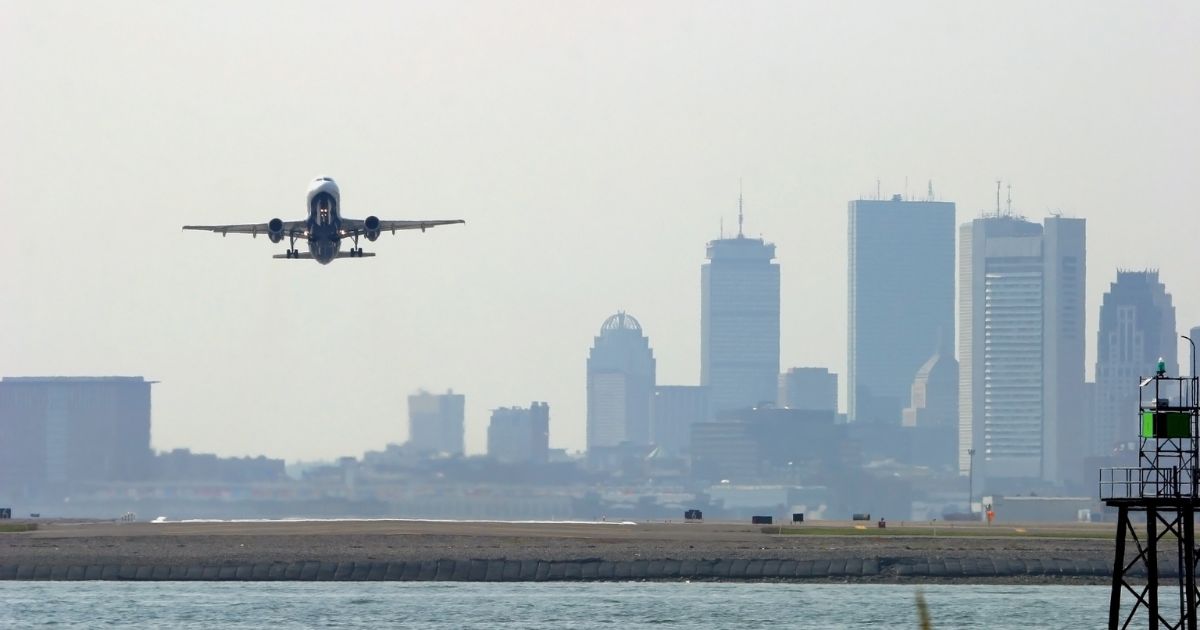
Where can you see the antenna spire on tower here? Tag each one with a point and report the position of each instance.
(1009, 202)
(998, 198)
(740, 216)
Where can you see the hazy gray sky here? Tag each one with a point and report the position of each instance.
(593, 148)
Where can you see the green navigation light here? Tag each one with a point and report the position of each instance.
(1162, 367)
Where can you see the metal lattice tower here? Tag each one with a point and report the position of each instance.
(1163, 486)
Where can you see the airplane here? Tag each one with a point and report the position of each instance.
(325, 228)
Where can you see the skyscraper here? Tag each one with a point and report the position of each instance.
(1137, 327)
(620, 384)
(808, 388)
(901, 299)
(676, 408)
(59, 430)
(520, 435)
(739, 322)
(1064, 257)
(1021, 310)
(1194, 335)
(435, 422)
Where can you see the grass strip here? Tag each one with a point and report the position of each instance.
(940, 532)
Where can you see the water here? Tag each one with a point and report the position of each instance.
(280, 605)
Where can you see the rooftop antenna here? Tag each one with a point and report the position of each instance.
(1009, 202)
(740, 218)
(722, 227)
(929, 197)
(878, 192)
(998, 198)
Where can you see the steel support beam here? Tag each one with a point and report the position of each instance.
(1118, 575)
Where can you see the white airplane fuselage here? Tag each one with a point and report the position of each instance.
(324, 220)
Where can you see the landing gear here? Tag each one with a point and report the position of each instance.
(356, 252)
(292, 252)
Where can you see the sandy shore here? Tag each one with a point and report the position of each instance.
(1009, 551)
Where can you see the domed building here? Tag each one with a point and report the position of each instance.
(934, 394)
(620, 384)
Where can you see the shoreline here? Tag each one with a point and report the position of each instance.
(490, 551)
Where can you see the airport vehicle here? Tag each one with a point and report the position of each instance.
(325, 228)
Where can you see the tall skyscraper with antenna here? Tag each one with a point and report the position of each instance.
(739, 321)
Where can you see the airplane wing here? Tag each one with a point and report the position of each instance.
(357, 227)
(298, 229)
(309, 256)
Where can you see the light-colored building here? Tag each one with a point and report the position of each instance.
(1137, 328)
(676, 408)
(1021, 323)
(520, 435)
(934, 398)
(808, 388)
(55, 431)
(1064, 335)
(933, 413)
(739, 322)
(1194, 335)
(901, 299)
(620, 384)
(435, 422)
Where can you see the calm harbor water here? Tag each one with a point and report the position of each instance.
(281, 605)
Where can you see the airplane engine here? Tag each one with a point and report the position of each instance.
(371, 228)
(275, 230)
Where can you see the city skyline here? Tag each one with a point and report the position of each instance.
(592, 157)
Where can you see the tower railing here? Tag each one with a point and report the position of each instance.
(1147, 483)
